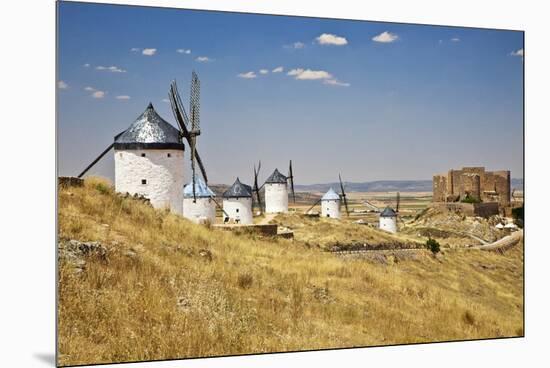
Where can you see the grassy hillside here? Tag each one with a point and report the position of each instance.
(165, 288)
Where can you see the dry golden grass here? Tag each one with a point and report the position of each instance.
(160, 295)
(326, 232)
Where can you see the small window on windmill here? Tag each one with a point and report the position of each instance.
(237, 210)
(143, 181)
(143, 155)
(169, 154)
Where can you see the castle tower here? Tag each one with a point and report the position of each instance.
(388, 220)
(330, 204)
(200, 207)
(276, 193)
(149, 161)
(237, 203)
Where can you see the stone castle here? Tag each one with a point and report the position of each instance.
(474, 183)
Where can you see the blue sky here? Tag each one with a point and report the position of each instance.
(373, 101)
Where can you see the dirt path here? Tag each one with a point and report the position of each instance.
(267, 218)
(504, 243)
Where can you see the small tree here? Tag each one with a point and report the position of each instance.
(433, 246)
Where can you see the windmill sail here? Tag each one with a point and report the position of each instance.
(99, 157)
(256, 188)
(397, 200)
(185, 123)
(343, 195)
(291, 178)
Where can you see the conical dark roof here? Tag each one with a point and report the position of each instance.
(149, 131)
(238, 190)
(276, 177)
(388, 212)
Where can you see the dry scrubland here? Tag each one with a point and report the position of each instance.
(171, 289)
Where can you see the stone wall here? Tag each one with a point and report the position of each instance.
(469, 209)
(439, 188)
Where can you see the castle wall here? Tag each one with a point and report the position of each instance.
(470, 186)
(157, 176)
(439, 188)
(487, 186)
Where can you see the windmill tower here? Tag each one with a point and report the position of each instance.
(149, 161)
(276, 193)
(199, 204)
(237, 204)
(388, 217)
(276, 190)
(388, 220)
(149, 154)
(330, 204)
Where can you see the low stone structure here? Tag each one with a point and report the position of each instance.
(70, 181)
(470, 209)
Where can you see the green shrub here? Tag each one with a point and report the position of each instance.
(469, 199)
(433, 246)
(102, 188)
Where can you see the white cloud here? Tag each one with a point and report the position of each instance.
(278, 69)
(62, 85)
(247, 75)
(517, 53)
(98, 94)
(86, 65)
(148, 52)
(298, 45)
(135, 49)
(165, 100)
(95, 93)
(112, 69)
(385, 37)
(264, 71)
(335, 82)
(331, 39)
(308, 74)
(455, 39)
(116, 69)
(183, 51)
(122, 97)
(203, 59)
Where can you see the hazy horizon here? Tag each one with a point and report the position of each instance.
(372, 101)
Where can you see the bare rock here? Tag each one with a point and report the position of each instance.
(206, 254)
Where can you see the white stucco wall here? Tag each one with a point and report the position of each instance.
(276, 198)
(330, 208)
(388, 224)
(163, 175)
(238, 209)
(204, 209)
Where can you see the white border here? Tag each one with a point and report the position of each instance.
(27, 184)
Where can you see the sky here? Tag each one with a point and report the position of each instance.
(369, 100)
